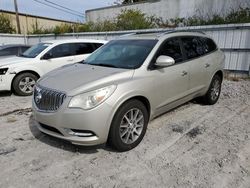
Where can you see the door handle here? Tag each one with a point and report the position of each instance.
(207, 65)
(184, 73)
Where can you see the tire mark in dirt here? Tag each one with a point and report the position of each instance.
(18, 111)
(172, 141)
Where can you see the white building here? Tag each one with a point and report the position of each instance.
(167, 9)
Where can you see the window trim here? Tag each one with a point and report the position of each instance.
(151, 67)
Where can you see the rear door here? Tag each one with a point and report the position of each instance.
(194, 51)
(83, 50)
(60, 55)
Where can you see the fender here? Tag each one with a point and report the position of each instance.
(28, 68)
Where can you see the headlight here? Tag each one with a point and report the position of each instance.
(3, 71)
(91, 99)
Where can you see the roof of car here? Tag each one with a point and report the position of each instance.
(74, 40)
(13, 45)
(158, 35)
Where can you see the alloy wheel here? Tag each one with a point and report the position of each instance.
(215, 90)
(131, 126)
(26, 84)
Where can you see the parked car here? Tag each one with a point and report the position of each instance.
(20, 73)
(12, 50)
(113, 94)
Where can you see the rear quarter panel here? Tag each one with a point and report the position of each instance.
(217, 60)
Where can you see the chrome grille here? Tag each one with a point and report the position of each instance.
(47, 99)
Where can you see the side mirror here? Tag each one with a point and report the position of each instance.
(47, 56)
(164, 61)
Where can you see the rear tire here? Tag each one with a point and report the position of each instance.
(129, 126)
(214, 90)
(24, 83)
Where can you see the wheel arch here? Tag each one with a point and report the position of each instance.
(220, 74)
(24, 71)
(140, 98)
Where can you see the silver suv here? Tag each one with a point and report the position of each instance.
(113, 94)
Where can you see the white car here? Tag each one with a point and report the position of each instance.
(20, 74)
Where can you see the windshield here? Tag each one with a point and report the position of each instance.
(128, 54)
(35, 50)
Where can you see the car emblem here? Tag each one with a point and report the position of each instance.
(38, 95)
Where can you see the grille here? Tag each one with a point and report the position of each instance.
(47, 99)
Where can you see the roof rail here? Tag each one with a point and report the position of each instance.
(126, 35)
(176, 31)
(161, 33)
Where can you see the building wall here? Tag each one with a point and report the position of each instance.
(169, 8)
(28, 21)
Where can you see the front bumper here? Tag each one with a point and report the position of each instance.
(66, 119)
(5, 82)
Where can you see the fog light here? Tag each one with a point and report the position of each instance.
(79, 133)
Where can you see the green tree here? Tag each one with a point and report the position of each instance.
(6, 25)
(130, 19)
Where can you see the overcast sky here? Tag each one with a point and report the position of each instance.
(35, 8)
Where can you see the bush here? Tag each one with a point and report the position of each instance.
(134, 19)
(242, 15)
(6, 25)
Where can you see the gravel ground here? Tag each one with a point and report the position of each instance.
(191, 146)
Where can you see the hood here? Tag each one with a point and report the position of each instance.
(13, 60)
(79, 77)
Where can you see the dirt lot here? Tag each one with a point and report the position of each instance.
(191, 146)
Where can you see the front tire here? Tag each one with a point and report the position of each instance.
(24, 83)
(214, 90)
(129, 125)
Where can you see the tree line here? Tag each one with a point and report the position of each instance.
(130, 19)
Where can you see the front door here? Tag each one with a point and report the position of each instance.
(171, 82)
(60, 55)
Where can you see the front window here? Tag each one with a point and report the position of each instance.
(62, 50)
(35, 50)
(128, 54)
(172, 49)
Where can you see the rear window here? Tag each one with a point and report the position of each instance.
(193, 47)
(97, 45)
(208, 45)
(83, 48)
